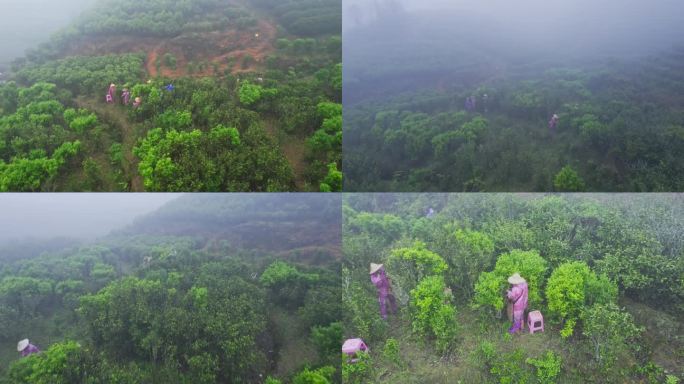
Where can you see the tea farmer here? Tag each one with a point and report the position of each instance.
(517, 296)
(112, 90)
(468, 104)
(382, 283)
(126, 96)
(26, 348)
(137, 102)
(553, 122)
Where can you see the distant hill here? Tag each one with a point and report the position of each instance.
(303, 224)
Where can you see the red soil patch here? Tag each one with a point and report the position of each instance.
(211, 52)
(215, 51)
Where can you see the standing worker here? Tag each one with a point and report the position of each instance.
(126, 96)
(382, 283)
(517, 296)
(26, 348)
(111, 92)
(553, 122)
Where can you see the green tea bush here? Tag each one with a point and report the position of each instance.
(491, 286)
(573, 286)
(358, 372)
(431, 314)
(548, 367)
(391, 352)
(323, 375)
(411, 264)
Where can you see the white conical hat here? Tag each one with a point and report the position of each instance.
(516, 279)
(375, 267)
(22, 345)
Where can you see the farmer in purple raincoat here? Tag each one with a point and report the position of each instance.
(26, 348)
(553, 122)
(517, 296)
(111, 92)
(382, 283)
(126, 96)
(468, 104)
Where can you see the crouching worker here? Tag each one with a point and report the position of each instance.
(26, 348)
(517, 296)
(382, 283)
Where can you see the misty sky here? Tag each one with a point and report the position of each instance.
(26, 23)
(608, 26)
(74, 215)
(395, 46)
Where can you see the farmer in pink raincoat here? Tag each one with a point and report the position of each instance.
(126, 96)
(111, 92)
(553, 122)
(26, 348)
(517, 296)
(382, 283)
(137, 102)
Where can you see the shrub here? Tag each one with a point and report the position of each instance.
(490, 286)
(431, 314)
(567, 180)
(322, 375)
(411, 264)
(509, 368)
(391, 352)
(327, 339)
(609, 331)
(58, 365)
(358, 372)
(571, 287)
(548, 367)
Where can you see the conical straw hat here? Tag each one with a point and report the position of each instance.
(516, 279)
(22, 345)
(374, 268)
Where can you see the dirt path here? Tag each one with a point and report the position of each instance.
(114, 114)
(219, 49)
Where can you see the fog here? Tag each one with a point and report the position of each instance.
(72, 215)
(26, 23)
(386, 38)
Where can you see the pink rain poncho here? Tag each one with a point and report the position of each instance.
(31, 349)
(126, 96)
(518, 297)
(111, 92)
(553, 122)
(382, 283)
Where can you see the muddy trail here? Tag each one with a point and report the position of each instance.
(115, 115)
(191, 54)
